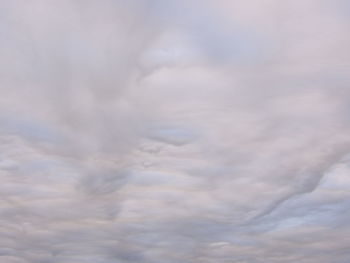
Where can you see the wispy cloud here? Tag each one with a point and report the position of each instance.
(174, 131)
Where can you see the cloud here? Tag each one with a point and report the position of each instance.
(174, 131)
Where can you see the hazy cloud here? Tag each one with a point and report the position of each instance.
(174, 131)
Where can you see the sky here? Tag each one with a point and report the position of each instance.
(167, 131)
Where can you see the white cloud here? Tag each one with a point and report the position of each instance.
(174, 131)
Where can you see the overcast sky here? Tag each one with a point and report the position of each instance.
(174, 131)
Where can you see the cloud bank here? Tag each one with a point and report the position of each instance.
(174, 131)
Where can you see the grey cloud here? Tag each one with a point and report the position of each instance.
(174, 131)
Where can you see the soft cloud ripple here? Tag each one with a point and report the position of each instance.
(174, 131)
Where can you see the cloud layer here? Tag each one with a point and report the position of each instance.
(174, 131)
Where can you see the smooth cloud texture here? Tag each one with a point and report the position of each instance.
(174, 131)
